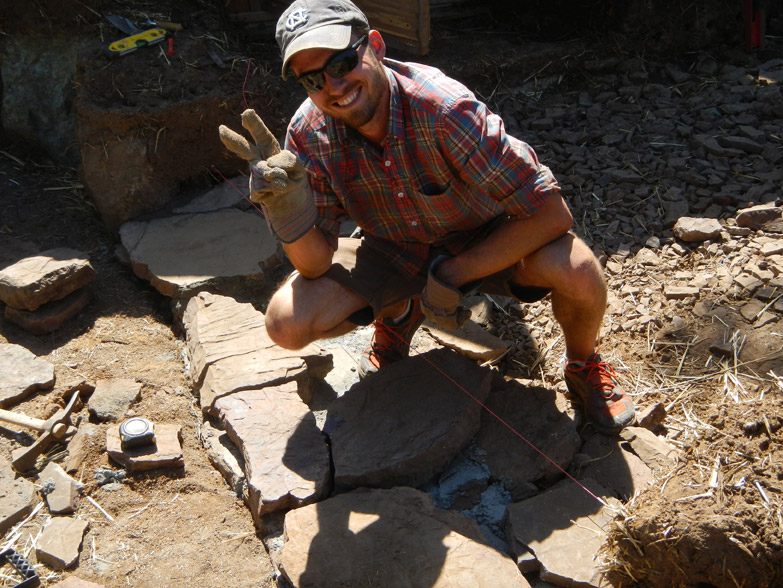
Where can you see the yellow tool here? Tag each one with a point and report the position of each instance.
(142, 39)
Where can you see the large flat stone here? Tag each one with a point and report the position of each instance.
(544, 430)
(390, 539)
(565, 528)
(404, 424)
(230, 350)
(225, 251)
(285, 454)
(50, 275)
(22, 373)
(217, 327)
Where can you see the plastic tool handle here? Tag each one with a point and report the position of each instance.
(22, 566)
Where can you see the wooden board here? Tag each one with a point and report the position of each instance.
(404, 23)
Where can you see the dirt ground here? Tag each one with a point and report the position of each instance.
(185, 527)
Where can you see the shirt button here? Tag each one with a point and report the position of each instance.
(400, 194)
(414, 224)
(387, 163)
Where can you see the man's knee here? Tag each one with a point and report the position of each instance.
(565, 264)
(281, 324)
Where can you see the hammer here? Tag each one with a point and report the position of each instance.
(52, 429)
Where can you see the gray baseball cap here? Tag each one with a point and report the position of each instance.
(316, 24)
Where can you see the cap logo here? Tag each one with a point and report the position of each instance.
(298, 18)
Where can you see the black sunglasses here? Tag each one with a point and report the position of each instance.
(338, 66)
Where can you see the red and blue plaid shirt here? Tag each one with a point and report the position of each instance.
(446, 168)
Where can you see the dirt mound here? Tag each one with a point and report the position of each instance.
(716, 518)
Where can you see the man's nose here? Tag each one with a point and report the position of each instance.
(334, 84)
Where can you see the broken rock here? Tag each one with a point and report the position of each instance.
(754, 217)
(60, 542)
(22, 373)
(112, 398)
(652, 449)
(51, 315)
(697, 229)
(17, 496)
(471, 340)
(60, 489)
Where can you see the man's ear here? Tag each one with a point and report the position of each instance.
(377, 44)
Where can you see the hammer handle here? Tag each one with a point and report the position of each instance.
(22, 420)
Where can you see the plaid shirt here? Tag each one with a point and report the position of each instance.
(446, 168)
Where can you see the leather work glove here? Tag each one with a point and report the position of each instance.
(440, 302)
(278, 180)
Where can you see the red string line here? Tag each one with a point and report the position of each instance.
(244, 83)
(505, 424)
(253, 204)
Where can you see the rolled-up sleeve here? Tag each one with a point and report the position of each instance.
(504, 167)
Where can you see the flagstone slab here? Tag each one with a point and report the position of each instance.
(230, 351)
(540, 429)
(402, 425)
(392, 538)
(565, 528)
(61, 541)
(50, 275)
(224, 251)
(286, 457)
(21, 374)
(52, 315)
(471, 340)
(18, 496)
(166, 452)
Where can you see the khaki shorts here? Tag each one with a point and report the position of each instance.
(368, 273)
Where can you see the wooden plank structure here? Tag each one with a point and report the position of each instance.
(405, 24)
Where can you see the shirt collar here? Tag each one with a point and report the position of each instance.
(396, 122)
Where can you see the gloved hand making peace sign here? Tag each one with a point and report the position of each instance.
(278, 179)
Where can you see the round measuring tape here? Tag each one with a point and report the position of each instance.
(136, 432)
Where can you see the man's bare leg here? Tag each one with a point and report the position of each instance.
(578, 303)
(570, 269)
(304, 310)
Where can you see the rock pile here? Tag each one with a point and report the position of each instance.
(43, 290)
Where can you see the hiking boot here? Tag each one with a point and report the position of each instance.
(391, 342)
(605, 403)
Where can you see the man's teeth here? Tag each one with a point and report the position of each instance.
(348, 99)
